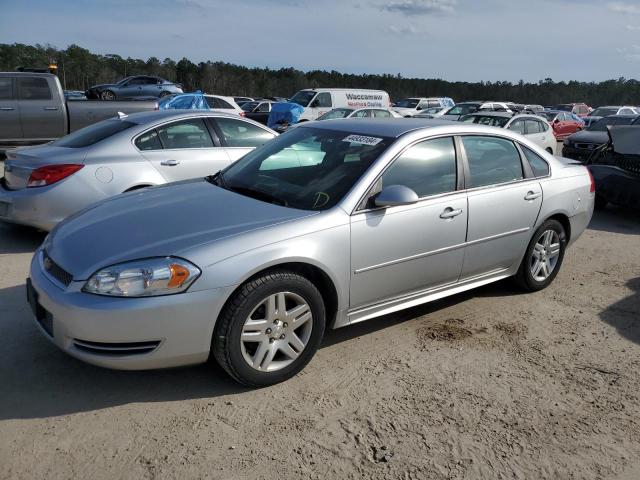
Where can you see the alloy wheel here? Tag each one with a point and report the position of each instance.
(276, 332)
(545, 255)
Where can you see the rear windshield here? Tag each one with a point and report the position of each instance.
(93, 133)
(602, 124)
(603, 112)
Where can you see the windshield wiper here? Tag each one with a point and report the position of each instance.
(216, 179)
(258, 195)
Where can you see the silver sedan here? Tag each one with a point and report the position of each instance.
(252, 265)
(45, 184)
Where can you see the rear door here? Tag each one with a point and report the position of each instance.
(41, 112)
(503, 204)
(183, 149)
(239, 137)
(536, 132)
(10, 128)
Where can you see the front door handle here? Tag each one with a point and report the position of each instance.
(450, 213)
(6, 108)
(170, 163)
(532, 195)
(50, 108)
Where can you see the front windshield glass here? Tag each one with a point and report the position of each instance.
(249, 106)
(489, 120)
(336, 113)
(303, 97)
(602, 124)
(407, 103)
(93, 133)
(603, 112)
(305, 168)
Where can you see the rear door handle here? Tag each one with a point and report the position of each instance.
(532, 195)
(170, 163)
(450, 213)
(50, 108)
(6, 108)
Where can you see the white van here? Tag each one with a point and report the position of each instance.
(408, 107)
(318, 101)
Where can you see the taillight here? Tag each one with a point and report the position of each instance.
(50, 174)
(243, 113)
(592, 188)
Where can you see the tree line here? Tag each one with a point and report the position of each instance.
(79, 68)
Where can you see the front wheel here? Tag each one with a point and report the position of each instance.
(270, 329)
(108, 95)
(543, 257)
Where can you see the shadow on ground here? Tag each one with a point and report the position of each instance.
(624, 315)
(19, 239)
(617, 220)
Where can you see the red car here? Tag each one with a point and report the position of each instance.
(580, 109)
(563, 123)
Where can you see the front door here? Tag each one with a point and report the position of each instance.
(403, 249)
(41, 114)
(10, 128)
(182, 150)
(239, 137)
(503, 205)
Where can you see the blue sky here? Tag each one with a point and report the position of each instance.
(451, 39)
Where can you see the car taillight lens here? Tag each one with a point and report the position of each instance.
(49, 174)
(592, 188)
(242, 114)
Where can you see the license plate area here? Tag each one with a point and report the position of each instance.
(43, 317)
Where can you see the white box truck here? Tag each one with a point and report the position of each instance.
(317, 101)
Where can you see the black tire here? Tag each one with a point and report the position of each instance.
(107, 95)
(525, 278)
(601, 202)
(227, 346)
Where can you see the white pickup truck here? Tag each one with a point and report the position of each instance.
(33, 109)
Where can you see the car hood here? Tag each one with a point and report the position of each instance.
(159, 221)
(102, 86)
(587, 136)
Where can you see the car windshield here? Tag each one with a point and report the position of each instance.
(407, 103)
(489, 120)
(603, 112)
(306, 168)
(93, 133)
(303, 97)
(336, 113)
(249, 106)
(602, 124)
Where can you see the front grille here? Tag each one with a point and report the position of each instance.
(115, 349)
(55, 270)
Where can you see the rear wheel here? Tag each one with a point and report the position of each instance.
(543, 257)
(270, 329)
(108, 95)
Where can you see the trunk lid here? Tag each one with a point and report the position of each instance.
(21, 162)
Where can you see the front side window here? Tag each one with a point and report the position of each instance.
(381, 114)
(6, 89)
(428, 168)
(361, 114)
(323, 100)
(33, 88)
(93, 133)
(303, 97)
(238, 133)
(538, 165)
(492, 160)
(306, 168)
(264, 108)
(191, 133)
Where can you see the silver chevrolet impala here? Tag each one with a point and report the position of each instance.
(332, 223)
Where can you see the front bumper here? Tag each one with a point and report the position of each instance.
(126, 333)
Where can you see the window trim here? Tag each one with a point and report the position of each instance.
(160, 125)
(362, 202)
(533, 175)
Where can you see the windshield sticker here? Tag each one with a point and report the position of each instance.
(362, 140)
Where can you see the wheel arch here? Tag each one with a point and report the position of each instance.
(138, 187)
(564, 221)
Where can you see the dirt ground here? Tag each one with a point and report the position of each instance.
(487, 384)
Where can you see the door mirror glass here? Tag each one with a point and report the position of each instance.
(395, 195)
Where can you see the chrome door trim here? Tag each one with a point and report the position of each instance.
(441, 250)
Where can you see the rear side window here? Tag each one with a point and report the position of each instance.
(428, 168)
(533, 126)
(93, 133)
(381, 114)
(6, 89)
(149, 141)
(33, 88)
(492, 160)
(517, 126)
(215, 102)
(185, 134)
(538, 165)
(242, 134)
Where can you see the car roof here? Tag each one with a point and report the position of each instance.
(391, 127)
(626, 115)
(154, 115)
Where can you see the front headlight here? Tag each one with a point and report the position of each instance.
(143, 278)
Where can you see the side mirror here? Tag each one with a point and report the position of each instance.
(395, 195)
(556, 121)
